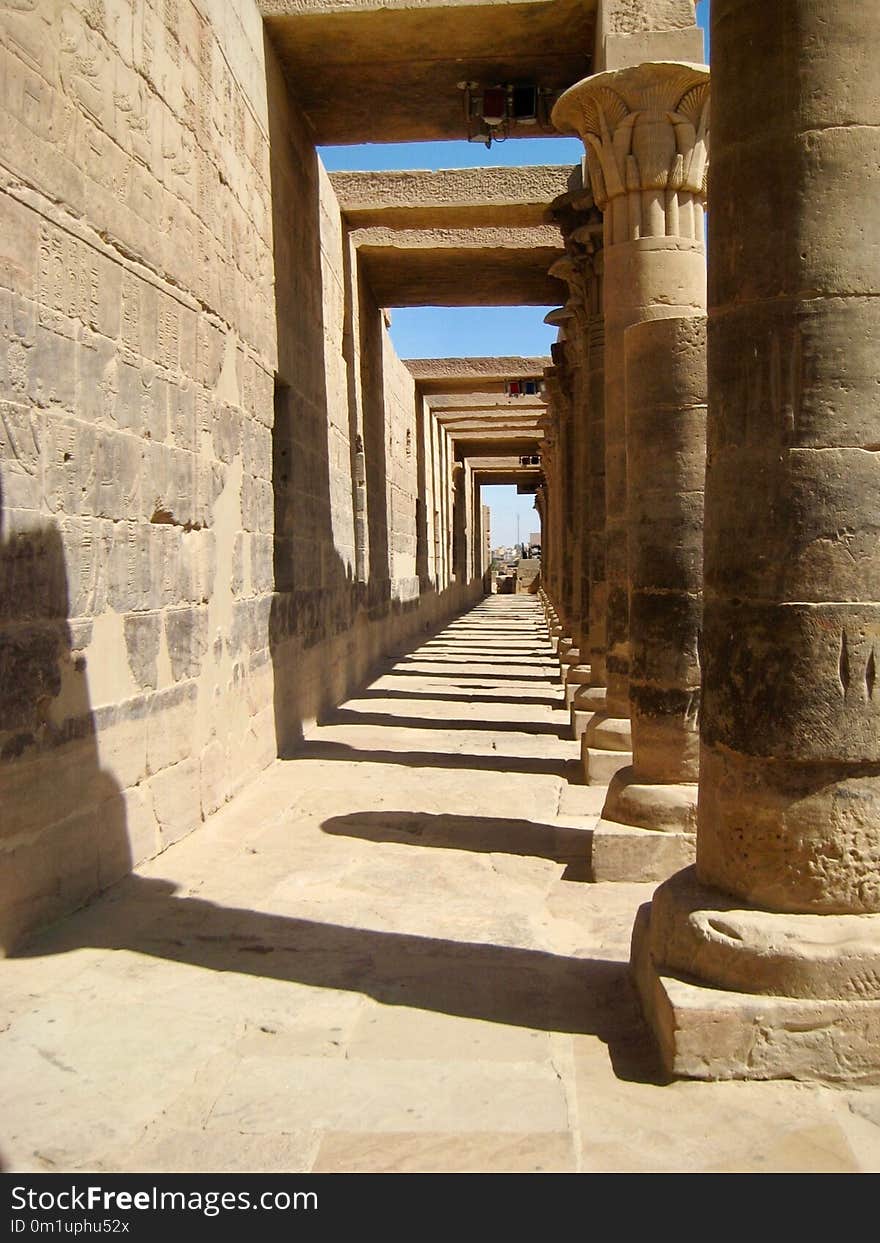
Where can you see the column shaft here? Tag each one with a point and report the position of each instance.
(595, 484)
(777, 931)
(790, 804)
(666, 463)
(666, 435)
(645, 129)
(647, 278)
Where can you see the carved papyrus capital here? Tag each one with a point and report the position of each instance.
(580, 223)
(646, 134)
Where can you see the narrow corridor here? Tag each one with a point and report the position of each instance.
(384, 956)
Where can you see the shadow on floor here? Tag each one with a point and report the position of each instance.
(503, 662)
(482, 834)
(568, 770)
(498, 984)
(469, 647)
(537, 701)
(461, 673)
(460, 725)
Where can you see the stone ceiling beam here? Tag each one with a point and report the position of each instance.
(443, 403)
(388, 70)
(502, 435)
(477, 425)
(461, 375)
(461, 267)
(450, 198)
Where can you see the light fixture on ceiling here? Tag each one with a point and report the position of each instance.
(523, 388)
(492, 111)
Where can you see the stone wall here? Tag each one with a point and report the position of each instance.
(400, 404)
(157, 643)
(135, 446)
(342, 391)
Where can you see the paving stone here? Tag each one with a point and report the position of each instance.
(364, 965)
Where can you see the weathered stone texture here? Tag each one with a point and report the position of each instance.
(791, 728)
(785, 900)
(666, 417)
(137, 345)
(630, 32)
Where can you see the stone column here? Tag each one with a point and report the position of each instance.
(580, 223)
(459, 523)
(575, 670)
(560, 386)
(778, 928)
(549, 553)
(645, 130)
(666, 465)
(563, 385)
(590, 695)
(541, 510)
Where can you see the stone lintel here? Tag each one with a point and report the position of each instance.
(500, 461)
(512, 477)
(465, 267)
(451, 404)
(450, 375)
(486, 435)
(382, 237)
(453, 198)
(501, 417)
(489, 430)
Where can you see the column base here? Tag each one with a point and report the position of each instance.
(558, 640)
(609, 733)
(648, 805)
(574, 677)
(567, 660)
(586, 702)
(812, 1011)
(599, 765)
(621, 852)
(606, 747)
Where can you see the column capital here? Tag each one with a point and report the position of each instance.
(555, 389)
(580, 223)
(548, 421)
(646, 133)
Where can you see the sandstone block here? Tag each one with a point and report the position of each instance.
(142, 633)
(186, 632)
(710, 1033)
(624, 852)
(176, 800)
(170, 725)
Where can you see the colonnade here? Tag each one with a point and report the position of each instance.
(722, 522)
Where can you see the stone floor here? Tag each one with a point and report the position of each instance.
(384, 956)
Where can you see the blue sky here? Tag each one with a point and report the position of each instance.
(440, 332)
